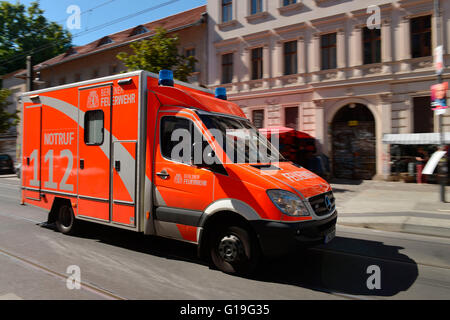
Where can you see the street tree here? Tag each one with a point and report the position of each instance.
(158, 53)
(7, 119)
(25, 31)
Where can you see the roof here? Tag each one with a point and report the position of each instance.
(416, 138)
(12, 74)
(172, 23)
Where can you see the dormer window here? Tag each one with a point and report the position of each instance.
(105, 41)
(139, 30)
(71, 51)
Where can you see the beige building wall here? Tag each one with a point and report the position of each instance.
(386, 88)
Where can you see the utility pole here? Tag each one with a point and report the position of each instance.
(443, 166)
(29, 74)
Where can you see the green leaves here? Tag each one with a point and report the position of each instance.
(26, 29)
(7, 119)
(158, 53)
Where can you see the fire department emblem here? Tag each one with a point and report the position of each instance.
(178, 179)
(93, 100)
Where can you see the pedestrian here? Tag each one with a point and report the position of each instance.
(421, 160)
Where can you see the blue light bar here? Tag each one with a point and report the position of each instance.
(221, 93)
(166, 78)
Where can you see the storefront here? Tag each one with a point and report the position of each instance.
(410, 152)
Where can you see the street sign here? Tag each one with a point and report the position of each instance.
(439, 59)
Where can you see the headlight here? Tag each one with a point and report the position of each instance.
(288, 203)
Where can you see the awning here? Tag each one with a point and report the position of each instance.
(283, 130)
(416, 138)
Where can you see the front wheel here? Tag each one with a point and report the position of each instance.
(65, 220)
(235, 251)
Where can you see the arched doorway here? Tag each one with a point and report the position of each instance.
(354, 143)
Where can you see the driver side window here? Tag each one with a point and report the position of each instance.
(176, 141)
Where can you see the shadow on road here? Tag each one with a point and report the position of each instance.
(339, 267)
(342, 267)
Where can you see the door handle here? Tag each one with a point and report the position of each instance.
(117, 166)
(163, 175)
(82, 164)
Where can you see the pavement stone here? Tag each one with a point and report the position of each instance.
(393, 206)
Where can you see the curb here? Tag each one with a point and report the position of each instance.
(421, 226)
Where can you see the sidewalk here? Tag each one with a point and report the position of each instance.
(393, 206)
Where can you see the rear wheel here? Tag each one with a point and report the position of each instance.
(234, 250)
(65, 219)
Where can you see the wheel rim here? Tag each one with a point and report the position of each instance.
(65, 217)
(231, 248)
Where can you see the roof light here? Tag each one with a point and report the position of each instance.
(166, 78)
(221, 93)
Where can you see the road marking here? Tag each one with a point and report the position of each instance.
(10, 296)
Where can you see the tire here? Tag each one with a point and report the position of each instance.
(234, 251)
(65, 219)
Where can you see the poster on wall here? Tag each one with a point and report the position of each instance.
(439, 98)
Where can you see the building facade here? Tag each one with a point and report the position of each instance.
(346, 72)
(9, 142)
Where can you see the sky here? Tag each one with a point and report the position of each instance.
(96, 13)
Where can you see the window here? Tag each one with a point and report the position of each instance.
(421, 37)
(113, 69)
(423, 115)
(191, 53)
(372, 45)
(288, 2)
(257, 63)
(291, 117)
(256, 6)
(139, 30)
(227, 68)
(227, 10)
(105, 41)
(94, 122)
(290, 57)
(95, 73)
(168, 126)
(328, 51)
(62, 81)
(77, 77)
(258, 118)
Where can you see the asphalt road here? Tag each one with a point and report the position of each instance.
(117, 264)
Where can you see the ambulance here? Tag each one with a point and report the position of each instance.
(108, 151)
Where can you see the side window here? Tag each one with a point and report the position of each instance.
(94, 122)
(176, 139)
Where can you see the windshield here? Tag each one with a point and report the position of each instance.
(240, 140)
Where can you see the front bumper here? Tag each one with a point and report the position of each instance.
(280, 238)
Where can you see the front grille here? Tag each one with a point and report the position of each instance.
(319, 206)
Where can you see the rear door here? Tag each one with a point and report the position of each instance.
(31, 162)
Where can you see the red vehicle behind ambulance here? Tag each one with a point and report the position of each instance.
(107, 151)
